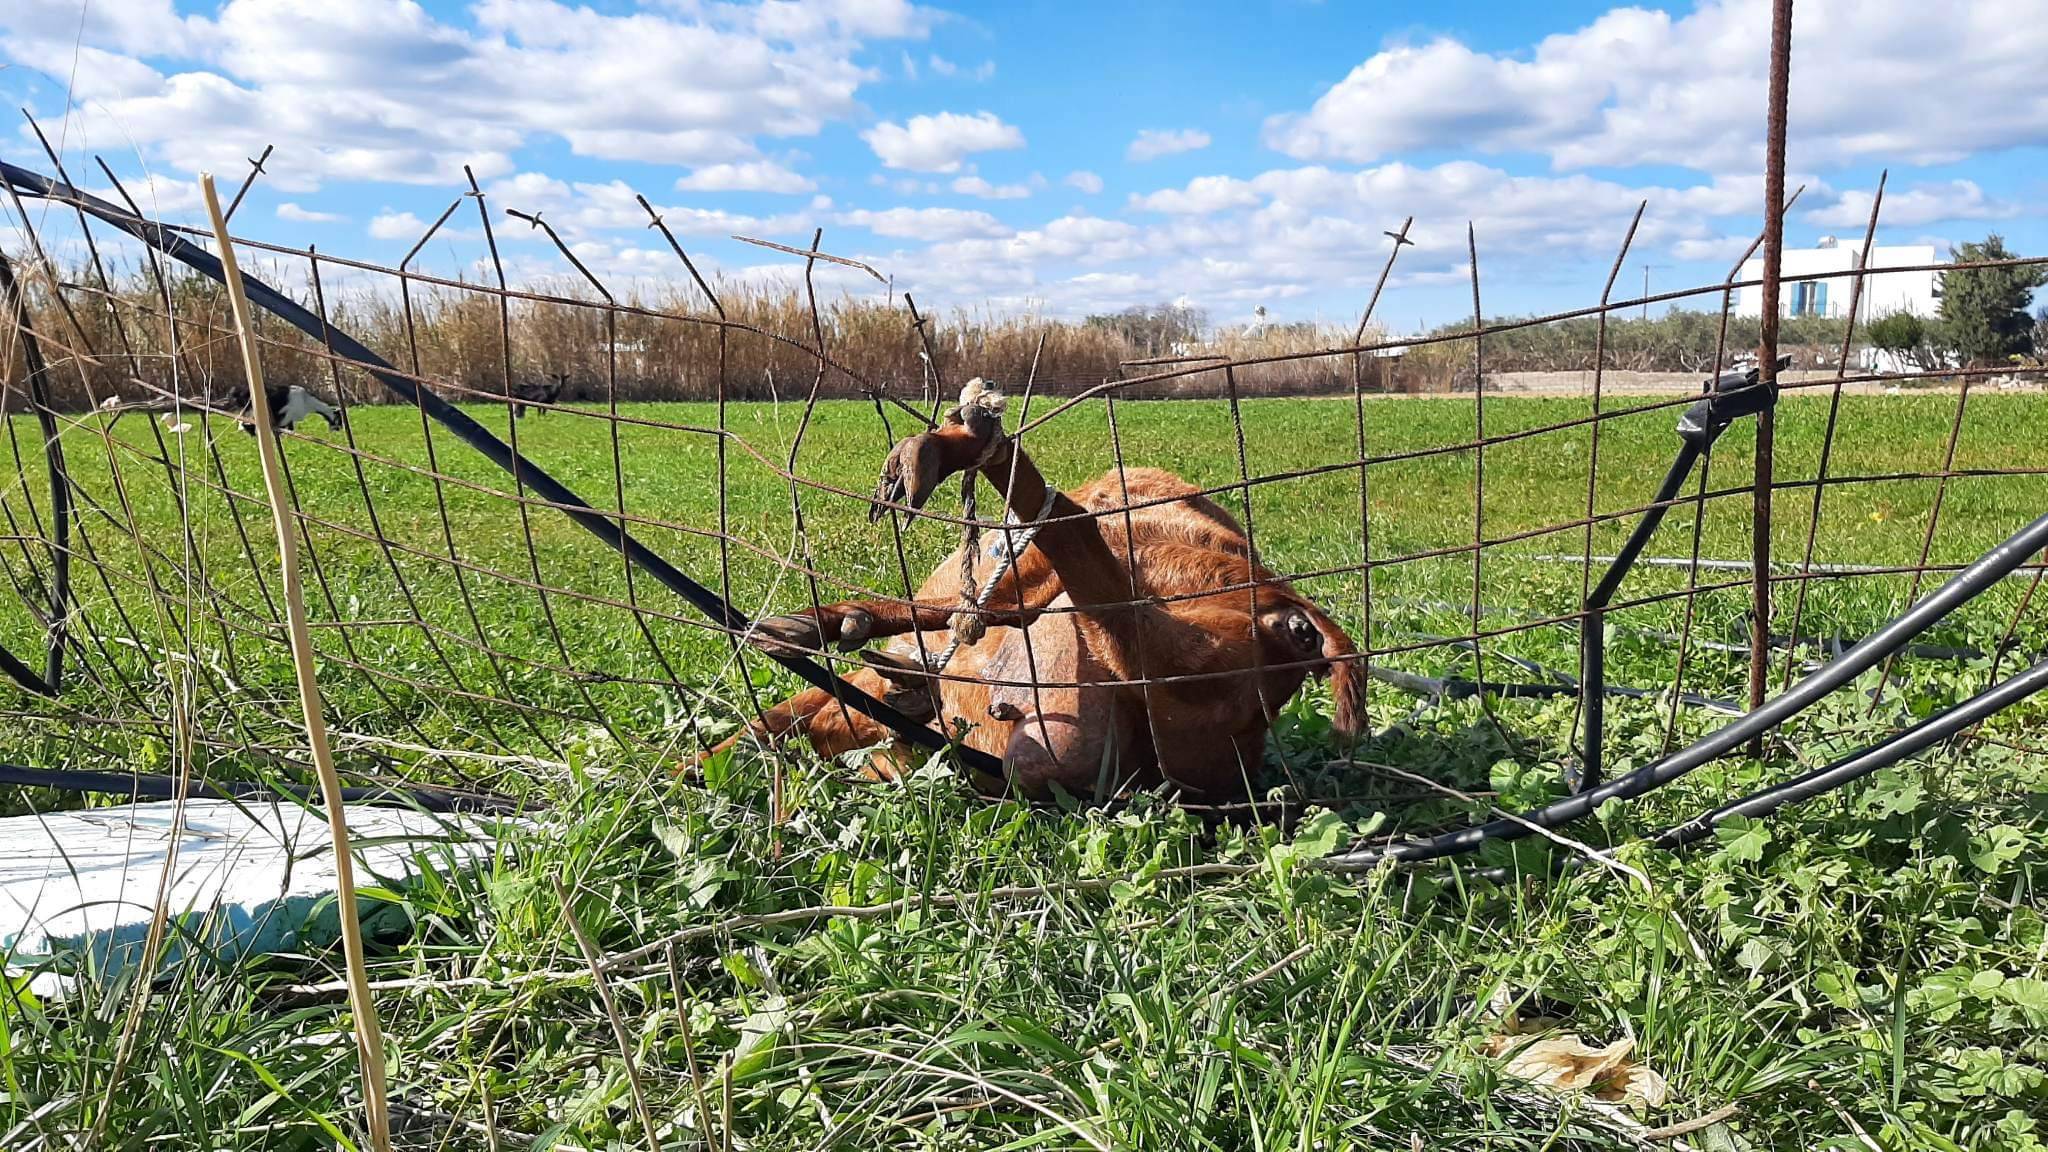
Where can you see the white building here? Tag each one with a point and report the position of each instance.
(1883, 293)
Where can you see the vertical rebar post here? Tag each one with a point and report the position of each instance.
(1592, 676)
(1400, 240)
(1767, 356)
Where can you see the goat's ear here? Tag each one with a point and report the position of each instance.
(1347, 675)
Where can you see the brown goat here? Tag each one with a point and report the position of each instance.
(1163, 600)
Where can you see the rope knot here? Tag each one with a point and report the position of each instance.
(980, 396)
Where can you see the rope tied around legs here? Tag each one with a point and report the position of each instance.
(980, 402)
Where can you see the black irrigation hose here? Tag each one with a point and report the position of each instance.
(23, 675)
(16, 303)
(1920, 737)
(152, 787)
(1900, 746)
(470, 432)
(1959, 589)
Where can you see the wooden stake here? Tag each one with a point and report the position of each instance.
(369, 1036)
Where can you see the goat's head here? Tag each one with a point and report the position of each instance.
(1288, 638)
(1297, 632)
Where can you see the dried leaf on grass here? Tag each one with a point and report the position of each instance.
(1565, 1063)
(1636, 1085)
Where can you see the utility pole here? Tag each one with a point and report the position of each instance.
(1646, 286)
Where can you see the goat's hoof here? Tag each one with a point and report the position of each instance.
(896, 668)
(1005, 711)
(846, 629)
(855, 626)
(786, 634)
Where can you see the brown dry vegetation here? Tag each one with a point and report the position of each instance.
(665, 347)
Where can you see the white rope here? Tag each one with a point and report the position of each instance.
(1014, 544)
(985, 400)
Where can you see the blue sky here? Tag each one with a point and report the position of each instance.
(1061, 157)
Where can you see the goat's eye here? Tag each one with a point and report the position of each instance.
(1303, 633)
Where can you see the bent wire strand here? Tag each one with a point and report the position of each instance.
(1958, 590)
(470, 432)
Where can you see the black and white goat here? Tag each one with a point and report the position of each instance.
(289, 404)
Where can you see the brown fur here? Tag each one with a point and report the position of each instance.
(1069, 592)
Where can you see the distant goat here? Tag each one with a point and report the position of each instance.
(538, 395)
(289, 404)
(1168, 593)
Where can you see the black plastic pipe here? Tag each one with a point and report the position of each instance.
(1900, 746)
(1920, 737)
(60, 479)
(466, 429)
(1593, 632)
(1725, 399)
(1958, 590)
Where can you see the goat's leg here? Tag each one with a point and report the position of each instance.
(1015, 601)
(1072, 541)
(815, 714)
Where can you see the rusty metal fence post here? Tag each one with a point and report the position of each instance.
(1767, 355)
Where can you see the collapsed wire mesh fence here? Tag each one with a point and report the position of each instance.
(473, 634)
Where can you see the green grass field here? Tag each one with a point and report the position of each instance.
(1873, 962)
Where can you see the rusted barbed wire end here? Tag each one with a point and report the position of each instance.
(654, 221)
(534, 221)
(255, 169)
(414, 251)
(812, 253)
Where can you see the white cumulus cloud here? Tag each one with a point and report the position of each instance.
(1152, 143)
(1644, 87)
(291, 211)
(934, 224)
(1916, 206)
(388, 225)
(940, 143)
(386, 90)
(745, 176)
(976, 186)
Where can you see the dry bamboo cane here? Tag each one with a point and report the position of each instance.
(369, 1036)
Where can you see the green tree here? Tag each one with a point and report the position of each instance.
(1897, 332)
(1984, 310)
(1915, 341)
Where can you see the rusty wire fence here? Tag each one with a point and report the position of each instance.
(505, 580)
